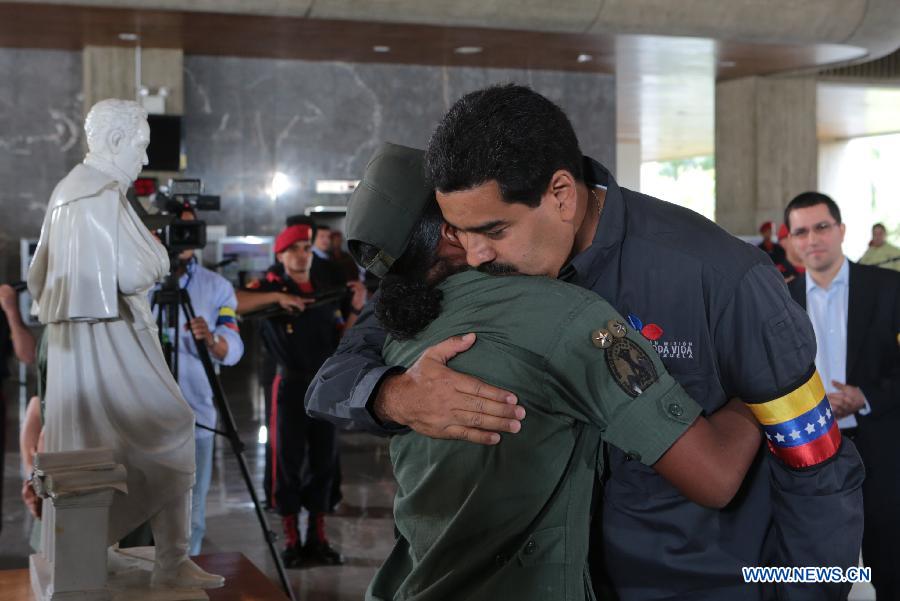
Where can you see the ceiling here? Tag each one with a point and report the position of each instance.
(851, 110)
(665, 84)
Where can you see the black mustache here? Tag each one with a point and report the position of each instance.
(494, 268)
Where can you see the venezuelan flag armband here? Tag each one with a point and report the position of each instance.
(800, 427)
(227, 318)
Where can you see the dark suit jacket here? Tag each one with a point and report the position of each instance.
(873, 362)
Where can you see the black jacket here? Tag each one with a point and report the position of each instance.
(873, 364)
(724, 325)
(873, 358)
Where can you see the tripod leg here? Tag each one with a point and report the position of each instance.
(237, 447)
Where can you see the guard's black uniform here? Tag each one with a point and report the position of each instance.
(300, 343)
(722, 321)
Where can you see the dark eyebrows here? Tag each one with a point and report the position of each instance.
(480, 229)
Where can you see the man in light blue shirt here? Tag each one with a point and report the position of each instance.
(827, 305)
(214, 302)
(855, 312)
(818, 234)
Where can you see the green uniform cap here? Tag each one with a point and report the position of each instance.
(387, 203)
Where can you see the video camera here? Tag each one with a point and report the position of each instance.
(180, 195)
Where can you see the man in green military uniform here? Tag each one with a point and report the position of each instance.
(511, 521)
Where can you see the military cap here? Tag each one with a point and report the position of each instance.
(291, 234)
(387, 203)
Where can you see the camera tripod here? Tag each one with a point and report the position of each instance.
(170, 298)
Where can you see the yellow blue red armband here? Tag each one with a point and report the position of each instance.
(227, 318)
(799, 426)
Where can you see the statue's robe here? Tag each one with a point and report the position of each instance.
(107, 381)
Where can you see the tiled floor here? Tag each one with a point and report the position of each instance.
(362, 530)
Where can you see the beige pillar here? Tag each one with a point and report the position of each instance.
(628, 164)
(109, 72)
(766, 148)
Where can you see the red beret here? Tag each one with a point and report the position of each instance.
(783, 232)
(291, 234)
(766, 225)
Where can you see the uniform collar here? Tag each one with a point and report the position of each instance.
(107, 167)
(841, 279)
(610, 231)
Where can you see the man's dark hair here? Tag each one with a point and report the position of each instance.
(410, 299)
(881, 225)
(811, 199)
(508, 133)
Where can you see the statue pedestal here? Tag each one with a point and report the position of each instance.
(74, 528)
(75, 563)
(78, 489)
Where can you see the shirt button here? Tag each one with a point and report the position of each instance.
(530, 547)
(675, 410)
(632, 456)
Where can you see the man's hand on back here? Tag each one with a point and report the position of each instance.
(438, 402)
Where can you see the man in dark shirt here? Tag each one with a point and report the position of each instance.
(515, 189)
(585, 377)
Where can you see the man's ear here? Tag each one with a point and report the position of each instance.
(448, 233)
(114, 140)
(564, 194)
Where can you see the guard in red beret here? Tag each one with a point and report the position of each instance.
(775, 251)
(300, 332)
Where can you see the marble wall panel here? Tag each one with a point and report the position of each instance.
(246, 119)
(40, 140)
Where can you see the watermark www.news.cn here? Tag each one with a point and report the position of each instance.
(807, 574)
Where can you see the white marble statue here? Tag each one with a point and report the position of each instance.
(108, 383)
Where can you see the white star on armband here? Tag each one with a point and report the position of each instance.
(779, 437)
(769, 436)
(810, 428)
(828, 413)
(822, 420)
(795, 434)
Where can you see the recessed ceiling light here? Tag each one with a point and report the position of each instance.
(381, 49)
(468, 50)
(129, 37)
(584, 58)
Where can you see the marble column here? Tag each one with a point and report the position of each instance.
(766, 148)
